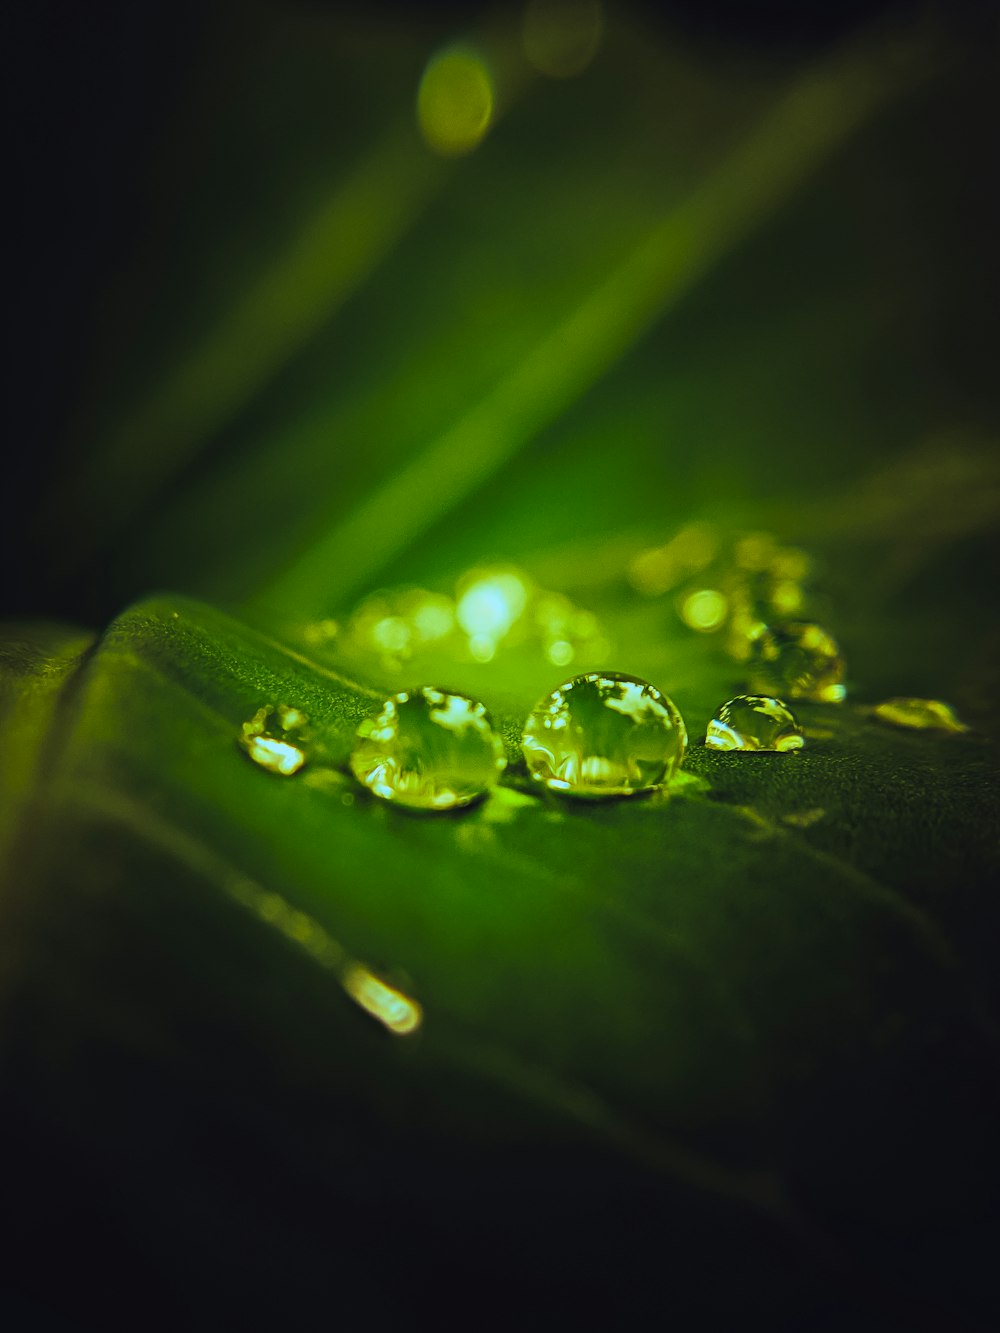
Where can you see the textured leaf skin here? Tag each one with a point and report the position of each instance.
(679, 1055)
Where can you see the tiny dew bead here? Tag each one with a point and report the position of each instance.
(754, 722)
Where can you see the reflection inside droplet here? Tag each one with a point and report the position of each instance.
(428, 749)
(604, 734)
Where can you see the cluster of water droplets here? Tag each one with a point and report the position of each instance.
(601, 733)
(724, 585)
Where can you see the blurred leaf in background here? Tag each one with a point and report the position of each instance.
(319, 312)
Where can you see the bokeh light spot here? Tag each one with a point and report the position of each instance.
(455, 101)
(561, 37)
(705, 610)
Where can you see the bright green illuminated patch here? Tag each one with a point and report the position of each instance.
(754, 722)
(561, 37)
(490, 601)
(919, 714)
(604, 735)
(396, 1011)
(705, 610)
(428, 750)
(797, 659)
(455, 102)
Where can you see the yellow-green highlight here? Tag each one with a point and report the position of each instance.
(455, 101)
(705, 610)
(398, 1012)
(919, 715)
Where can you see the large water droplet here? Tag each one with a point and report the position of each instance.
(754, 722)
(273, 738)
(428, 749)
(604, 734)
(798, 660)
(919, 714)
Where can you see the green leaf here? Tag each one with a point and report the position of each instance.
(758, 1006)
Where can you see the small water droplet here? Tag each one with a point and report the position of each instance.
(428, 749)
(919, 714)
(273, 738)
(398, 1012)
(754, 722)
(604, 734)
(797, 659)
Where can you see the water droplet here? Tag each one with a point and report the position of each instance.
(428, 749)
(797, 659)
(604, 734)
(273, 737)
(754, 722)
(920, 714)
(398, 1012)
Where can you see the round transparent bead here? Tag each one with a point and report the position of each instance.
(274, 738)
(604, 734)
(428, 749)
(754, 722)
(798, 660)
